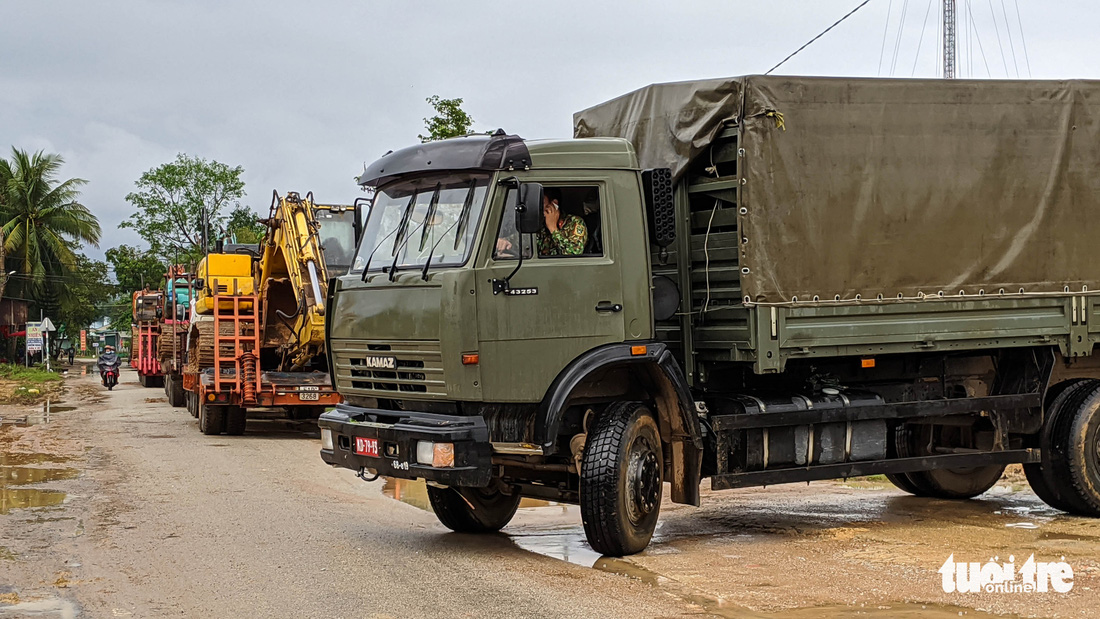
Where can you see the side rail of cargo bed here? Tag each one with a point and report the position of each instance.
(812, 330)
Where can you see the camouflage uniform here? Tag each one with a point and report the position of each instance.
(568, 240)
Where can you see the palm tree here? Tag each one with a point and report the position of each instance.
(41, 218)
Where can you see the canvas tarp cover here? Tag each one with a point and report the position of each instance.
(891, 187)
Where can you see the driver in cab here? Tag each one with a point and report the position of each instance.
(561, 235)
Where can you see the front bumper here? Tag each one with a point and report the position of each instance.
(398, 432)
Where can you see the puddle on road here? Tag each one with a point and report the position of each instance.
(541, 529)
(18, 470)
(57, 608)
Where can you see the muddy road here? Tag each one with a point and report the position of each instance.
(119, 507)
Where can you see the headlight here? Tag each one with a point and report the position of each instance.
(326, 439)
(438, 455)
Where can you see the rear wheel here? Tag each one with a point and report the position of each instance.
(621, 479)
(962, 483)
(173, 388)
(235, 420)
(192, 403)
(1042, 476)
(143, 380)
(211, 418)
(475, 510)
(1070, 443)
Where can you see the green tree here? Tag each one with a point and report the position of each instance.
(244, 226)
(135, 269)
(85, 290)
(173, 199)
(450, 121)
(42, 218)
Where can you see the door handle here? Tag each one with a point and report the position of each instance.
(608, 306)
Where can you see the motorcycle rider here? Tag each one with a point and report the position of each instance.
(106, 361)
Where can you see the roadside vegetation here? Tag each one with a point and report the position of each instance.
(23, 385)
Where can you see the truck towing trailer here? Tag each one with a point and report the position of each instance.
(756, 280)
(256, 336)
(145, 331)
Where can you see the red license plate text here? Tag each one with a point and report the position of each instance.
(366, 446)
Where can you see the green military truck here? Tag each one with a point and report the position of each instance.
(767, 280)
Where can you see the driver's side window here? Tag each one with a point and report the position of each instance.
(576, 214)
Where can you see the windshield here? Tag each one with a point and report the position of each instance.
(412, 220)
(337, 238)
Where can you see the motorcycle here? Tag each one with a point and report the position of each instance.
(110, 377)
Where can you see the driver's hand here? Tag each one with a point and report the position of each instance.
(504, 249)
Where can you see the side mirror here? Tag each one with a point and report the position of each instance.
(529, 208)
(660, 205)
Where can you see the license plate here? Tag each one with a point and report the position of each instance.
(304, 397)
(366, 446)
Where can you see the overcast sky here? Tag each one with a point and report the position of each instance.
(302, 94)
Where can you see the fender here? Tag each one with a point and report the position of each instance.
(657, 357)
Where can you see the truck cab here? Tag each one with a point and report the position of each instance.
(466, 348)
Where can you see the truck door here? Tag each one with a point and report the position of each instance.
(559, 306)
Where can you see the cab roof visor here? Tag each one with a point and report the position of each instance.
(475, 152)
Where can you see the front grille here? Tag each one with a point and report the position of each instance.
(418, 369)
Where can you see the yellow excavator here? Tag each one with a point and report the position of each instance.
(257, 334)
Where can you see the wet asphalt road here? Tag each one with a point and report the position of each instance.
(122, 508)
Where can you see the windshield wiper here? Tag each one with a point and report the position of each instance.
(405, 238)
(463, 216)
(404, 218)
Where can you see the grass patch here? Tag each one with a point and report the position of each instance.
(23, 385)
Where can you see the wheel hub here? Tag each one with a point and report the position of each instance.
(644, 481)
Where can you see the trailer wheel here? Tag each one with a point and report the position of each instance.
(173, 388)
(141, 380)
(192, 403)
(622, 480)
(474, 510)
(155, 381)
(903, 483)
(962, 483)
(235, 420)
(1048, 480)
(211, 418)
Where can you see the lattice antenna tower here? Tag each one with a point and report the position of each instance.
(949, 39)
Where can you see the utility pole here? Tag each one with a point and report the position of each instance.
(948, 39)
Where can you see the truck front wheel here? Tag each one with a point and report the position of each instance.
(475, 510)
(622, 480)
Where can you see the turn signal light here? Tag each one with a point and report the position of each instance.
(439, 455)
(637, 350)
(470, 358)
(210, 397)
(868, 363)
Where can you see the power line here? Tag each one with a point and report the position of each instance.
(897, 41)
(978, 38)
(1023, 39)
(885, 30)
(997, 29)
(1011, 45)
(850, 13)
(920, 41)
